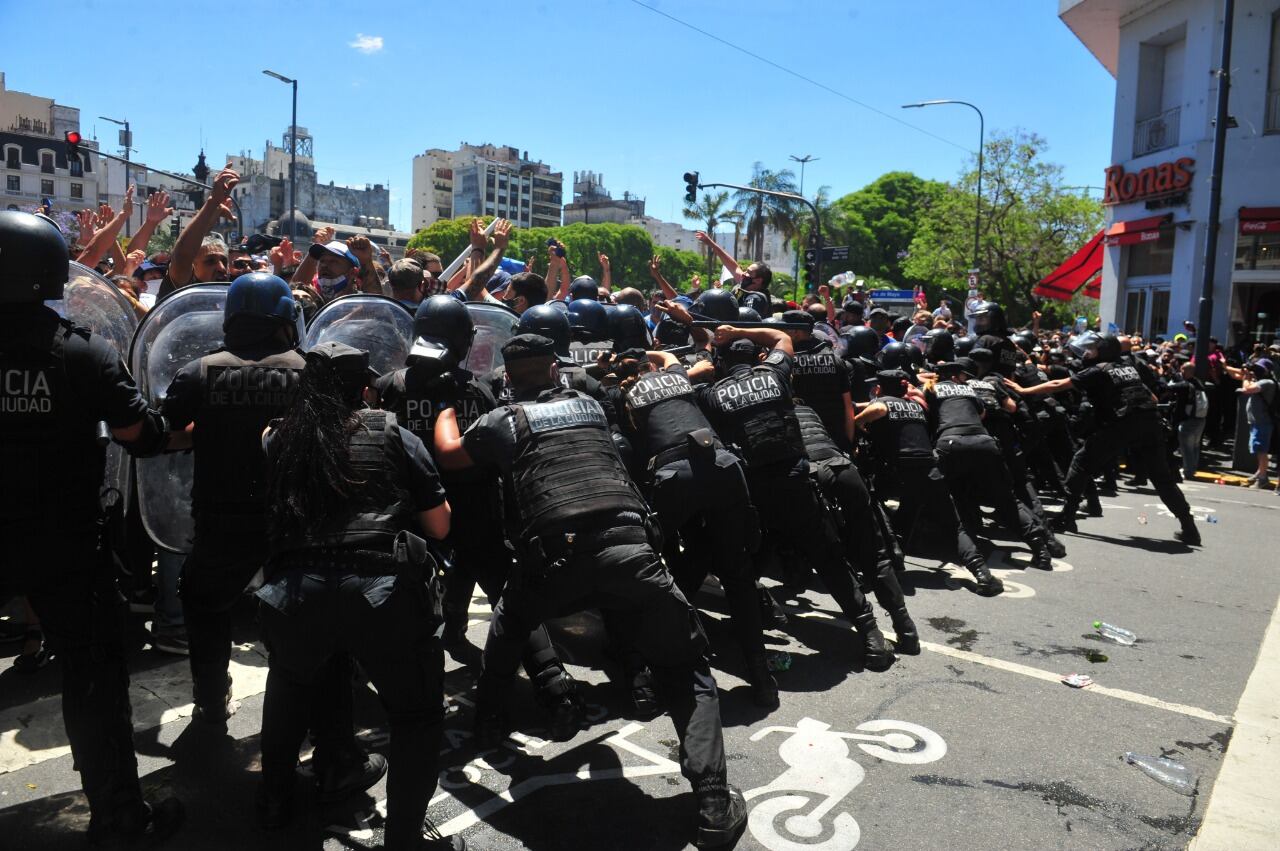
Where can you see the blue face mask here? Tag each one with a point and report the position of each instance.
(330, 287)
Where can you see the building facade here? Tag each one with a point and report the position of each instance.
(592, 203)
(1163, 55)
(33, 155)
(485, 180)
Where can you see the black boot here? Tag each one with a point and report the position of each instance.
(138, 824)
(772, 615)
(1092, 505)
(1188, 534)
(905, 628)
(876, 655)
(988, 585)
(721, 818)
(764, 688)
(1041, 558)
(644, 697)
(213, 706)
(1056, 548)
(338, 781)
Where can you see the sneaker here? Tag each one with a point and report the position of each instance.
(170, 639)
(1263, 484)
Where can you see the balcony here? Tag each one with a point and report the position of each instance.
(1156, 133)
(1273, 112)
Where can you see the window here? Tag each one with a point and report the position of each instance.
(46, 187)
(77, 190)
(1161, 64)
(13, 183)
(1152, 258)
(12, 157)
(1273, 78)
(1135, 305)
(46, 162)
(1257, 251)
(1159, 313)
(77, 170)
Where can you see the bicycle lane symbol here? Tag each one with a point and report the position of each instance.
(1003, 564)
(819, 766)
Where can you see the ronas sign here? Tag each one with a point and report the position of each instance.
(1154, 181)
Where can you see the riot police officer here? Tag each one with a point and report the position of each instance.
(579, 526)
(433, 380)
(899, 431)
(62, 386)
(349, 493)
(589, 324)
(750, 403)
(218, 405)
(1128, 420)
(699, 493)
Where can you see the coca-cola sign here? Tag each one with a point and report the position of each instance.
(1155, 181)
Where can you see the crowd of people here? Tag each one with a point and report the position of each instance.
(628, 447)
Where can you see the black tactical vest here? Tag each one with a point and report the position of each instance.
(956, 409)
(239, 398)
(987, 394)
(52, 463)
(566, 474)
(382, 509)
(816, 375)
(664, 410)
(903, 433)
(756, 405)
(418, 398)
(1127, 393)
(817, 440)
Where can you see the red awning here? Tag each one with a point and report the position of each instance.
(1093, 289)
(1260, 220)
(1137, 230)
(1063, 282)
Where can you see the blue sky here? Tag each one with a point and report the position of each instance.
(604, 85)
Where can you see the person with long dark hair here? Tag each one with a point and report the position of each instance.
(349, 493)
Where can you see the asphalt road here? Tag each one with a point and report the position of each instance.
(973, 744)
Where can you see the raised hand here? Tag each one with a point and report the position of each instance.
(655, 266)
(158, 208)
(824, 292)
(479, 242)
(226, 180)
(701, 236)
(604, 260)
(362, 248)
(282, 255)
(88, 225)
(324, 236)
(127, 207)
(502, 235)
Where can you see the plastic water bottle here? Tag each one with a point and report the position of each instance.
(1175, 775)
(1142, 520)
(1115, 633)
(1212, 518)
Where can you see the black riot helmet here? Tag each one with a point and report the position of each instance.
(863, 342)
(915, 356)
(1109, 348)
(627, 329)
(939, 346)
(588, 319)
(964, 345)
(894, 356)
(1025, 340)
(671, 333)
(1085, 346)
(901, 325)
(748, 314)
(33, 258)
(584, 286)
(716, 305)
(442, 326)
(547, 321)
(988, 318)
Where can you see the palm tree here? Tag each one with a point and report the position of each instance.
(710, 212)
(733, 217)
(765, 211)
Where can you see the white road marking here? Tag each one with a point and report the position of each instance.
(1244, 808)
(1051, 677)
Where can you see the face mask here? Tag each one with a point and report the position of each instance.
(329, 287)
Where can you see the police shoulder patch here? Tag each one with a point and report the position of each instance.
(564, 413)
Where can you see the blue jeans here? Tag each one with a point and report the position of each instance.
(1189, 431)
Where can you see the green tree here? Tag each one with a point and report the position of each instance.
(1030, 224)
(878, 223)
(765, 211)
(709, 213)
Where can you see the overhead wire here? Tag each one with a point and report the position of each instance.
(800, 76)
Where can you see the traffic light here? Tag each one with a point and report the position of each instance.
(173, 227)
(73, 146)
(811, 268)
(691, 187)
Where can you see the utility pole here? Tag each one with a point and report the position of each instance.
(807, 158)
(126, 142)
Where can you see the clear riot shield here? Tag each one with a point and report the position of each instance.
(91, 301)
(381, 326)
(495, 325)
(183, 326)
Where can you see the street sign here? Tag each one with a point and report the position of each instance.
(893, 295)
(835, 252)
(973, 279)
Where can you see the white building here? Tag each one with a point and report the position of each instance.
(485, 180)
(1163, 54)
(33, 155)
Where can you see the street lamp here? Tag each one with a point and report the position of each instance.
(127, 143)
(293, 156)
(977, 222)
(807, 158)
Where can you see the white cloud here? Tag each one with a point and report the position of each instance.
(367, 43)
